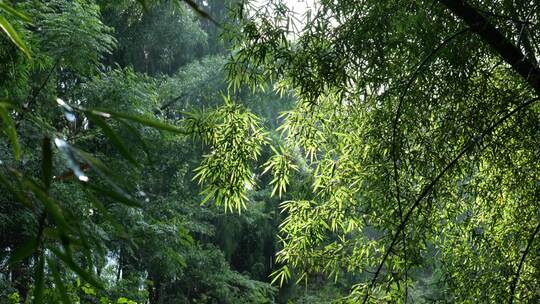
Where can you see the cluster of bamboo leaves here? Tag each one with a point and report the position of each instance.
(419, 141)
(61, 242)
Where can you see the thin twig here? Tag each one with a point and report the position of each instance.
(466, 148)
(509, 18)
(523, 256)
(32, 99)
(395, 131)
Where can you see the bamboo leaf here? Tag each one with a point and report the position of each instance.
(139, 138)
(60, 287)
(39, 280)
(10, 129)
(117, 197)
(49, 203)
(106, 214)
(18, 194)
(113, 137)
(70, 263)
(72, 163)
(13, 12)
(112, 178)
(144, 120)
(24, 251)
(13, 36)
(143, 4)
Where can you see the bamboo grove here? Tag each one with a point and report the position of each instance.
(352, 151)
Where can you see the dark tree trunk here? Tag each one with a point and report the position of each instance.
(20, 278)
(155, 291)
(523, 65)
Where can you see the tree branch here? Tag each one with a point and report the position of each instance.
(32, 99)
(523, 65)
(427, 189)
(518, 272)
(395, 152)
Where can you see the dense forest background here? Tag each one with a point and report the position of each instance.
(243, 152)
(159, 61)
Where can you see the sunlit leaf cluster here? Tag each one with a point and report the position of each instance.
(235, 140)
(417, 132)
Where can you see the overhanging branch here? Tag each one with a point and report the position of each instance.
(522, 260)
(523, 65)
(467, 147)
(395, 152)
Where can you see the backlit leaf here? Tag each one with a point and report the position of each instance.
(14, 36)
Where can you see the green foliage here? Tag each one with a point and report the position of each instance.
(236, 140)
(8, 29)
(74, 228)
(9, 129)
(159, 39)
(14, 298)
(70, 31)
(399, 114)
(280, 165)
(403, 166)
(12, 34)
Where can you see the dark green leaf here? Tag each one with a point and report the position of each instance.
(13, 12)
(144, 4)
(72, 163)
(112, 178)
(48, 202)
(147, 121)
(96, 203)
(139, 138)
(113, 137)
(9, 127)
(18, 194)
(14, 36)
(39, 280)
(70, 263)
(118, 197)
(60, 287)
(24, 251)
